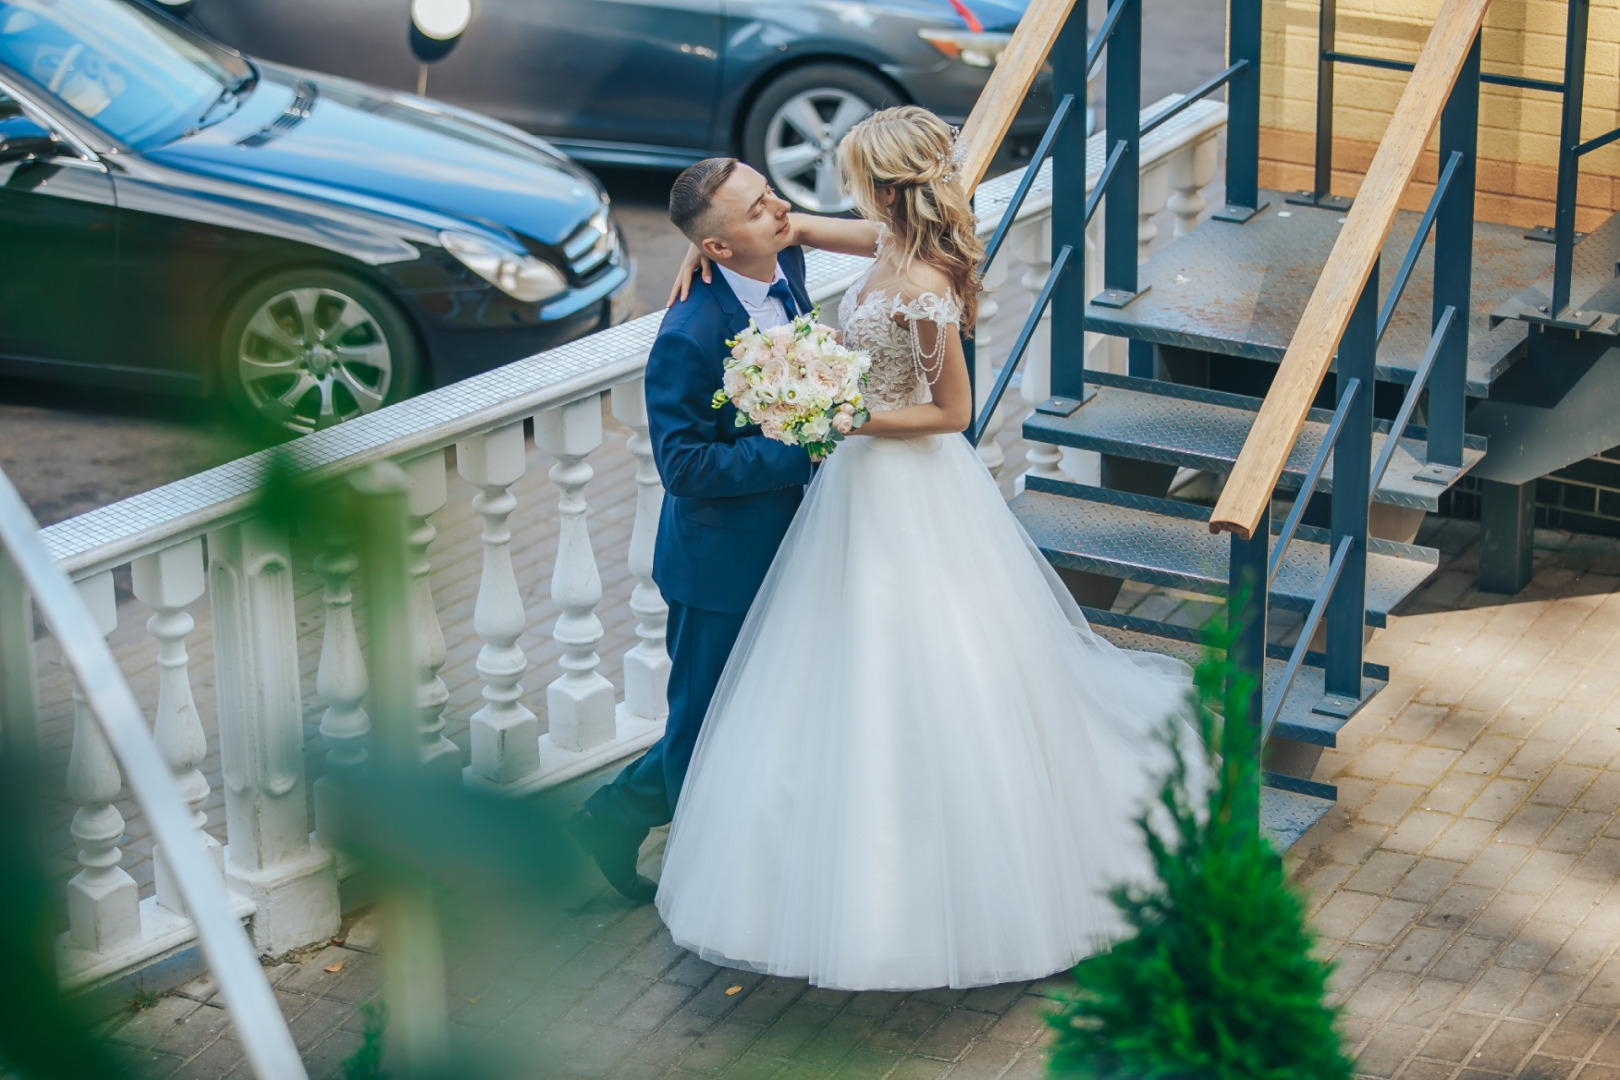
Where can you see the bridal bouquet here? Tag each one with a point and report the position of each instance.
(797, 383)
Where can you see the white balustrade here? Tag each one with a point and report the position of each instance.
(168, 581)
(646, 664)
(340, 678)
(579, 703)
(505, 735)
(1033, 240)
(427, 494)
(268, 854)
(103, 900)
(1192, 168)
(1152, 192)
(986, 358)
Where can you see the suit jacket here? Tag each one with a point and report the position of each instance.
(729, 492)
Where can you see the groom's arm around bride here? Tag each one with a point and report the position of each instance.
(729, 492)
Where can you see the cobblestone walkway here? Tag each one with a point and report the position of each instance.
(1466, 886)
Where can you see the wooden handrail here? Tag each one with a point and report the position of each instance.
(1009, 84)
(1248, 490)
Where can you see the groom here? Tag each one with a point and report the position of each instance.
(729, 492)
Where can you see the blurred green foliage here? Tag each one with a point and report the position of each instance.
(43, 1036)
(1216, 980)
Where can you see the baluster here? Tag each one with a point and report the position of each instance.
(1153, 191)
(1034, 242)
(646, 664)
(340, 678)
(168, 581)
(995, 277)
(268, 854)
(505, 735)
(427, 493)
(579, 703)
(1192, 168)
(103, 900)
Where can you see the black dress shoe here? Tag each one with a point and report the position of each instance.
(613, 848)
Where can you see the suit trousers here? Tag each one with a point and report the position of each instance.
(643, 796)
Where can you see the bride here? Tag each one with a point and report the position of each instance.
(920, 767)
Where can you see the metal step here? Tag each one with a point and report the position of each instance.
(1594, 290)
(1195, 428)
(1297, 721)
(1285, 816)
(1162, 542)
(1239, 290)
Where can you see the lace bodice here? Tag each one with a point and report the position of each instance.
(901, 367)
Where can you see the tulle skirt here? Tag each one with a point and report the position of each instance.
(921, 767)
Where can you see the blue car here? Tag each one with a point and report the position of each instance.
(665, 82)
(178, 217)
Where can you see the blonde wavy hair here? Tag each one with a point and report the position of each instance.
(910, 150)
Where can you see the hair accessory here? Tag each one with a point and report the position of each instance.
(953, 159)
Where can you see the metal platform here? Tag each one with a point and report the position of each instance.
(1162, 542)
(1238, 290)
(1594, 287)
(1296, 721)
(1285, 816)
(1188, 426)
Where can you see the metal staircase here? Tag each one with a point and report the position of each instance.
(1263, 349)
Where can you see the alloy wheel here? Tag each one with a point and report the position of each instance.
(312, 357)
(801, 147)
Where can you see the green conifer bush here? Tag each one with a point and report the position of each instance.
(1215, 980)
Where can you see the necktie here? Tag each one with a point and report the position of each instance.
(779, 291)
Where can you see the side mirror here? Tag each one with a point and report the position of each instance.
(21, 138)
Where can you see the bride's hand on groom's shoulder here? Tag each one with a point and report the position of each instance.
(694, 260)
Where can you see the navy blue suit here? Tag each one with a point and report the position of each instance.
(729, 496)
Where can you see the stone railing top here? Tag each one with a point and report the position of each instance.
(152, 520)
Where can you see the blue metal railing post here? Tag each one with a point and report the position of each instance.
(1352, 463)
(1320, 194)
(1246, 602)
(1122, 116)
(1569, 163)
(1327, 31)
(1242, 113)
(1068, 211)
(1454, 268)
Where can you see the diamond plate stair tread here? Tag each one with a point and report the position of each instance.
(1285, 816)
(1296, 721)
(1202, 435)
(1594, 287)
(1239, 290)
(1076, 532)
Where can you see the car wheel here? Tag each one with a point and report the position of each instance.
(795, 125)
(306, 349)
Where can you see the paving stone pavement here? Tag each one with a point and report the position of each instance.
(1467, 886)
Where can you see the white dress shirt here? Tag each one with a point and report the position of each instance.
(766, 311)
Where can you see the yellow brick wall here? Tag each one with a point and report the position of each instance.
(1518, 128)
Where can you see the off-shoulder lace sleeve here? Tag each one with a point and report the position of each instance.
(944, 312)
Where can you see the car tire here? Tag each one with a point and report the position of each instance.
(305, 349)
(801, 164)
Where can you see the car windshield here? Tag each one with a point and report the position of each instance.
(140, 80)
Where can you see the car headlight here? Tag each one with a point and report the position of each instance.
(982, 49)
(522, 277)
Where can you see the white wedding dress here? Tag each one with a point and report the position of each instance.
(920, 768)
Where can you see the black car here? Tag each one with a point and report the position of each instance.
(175, 216)
(663, 82)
